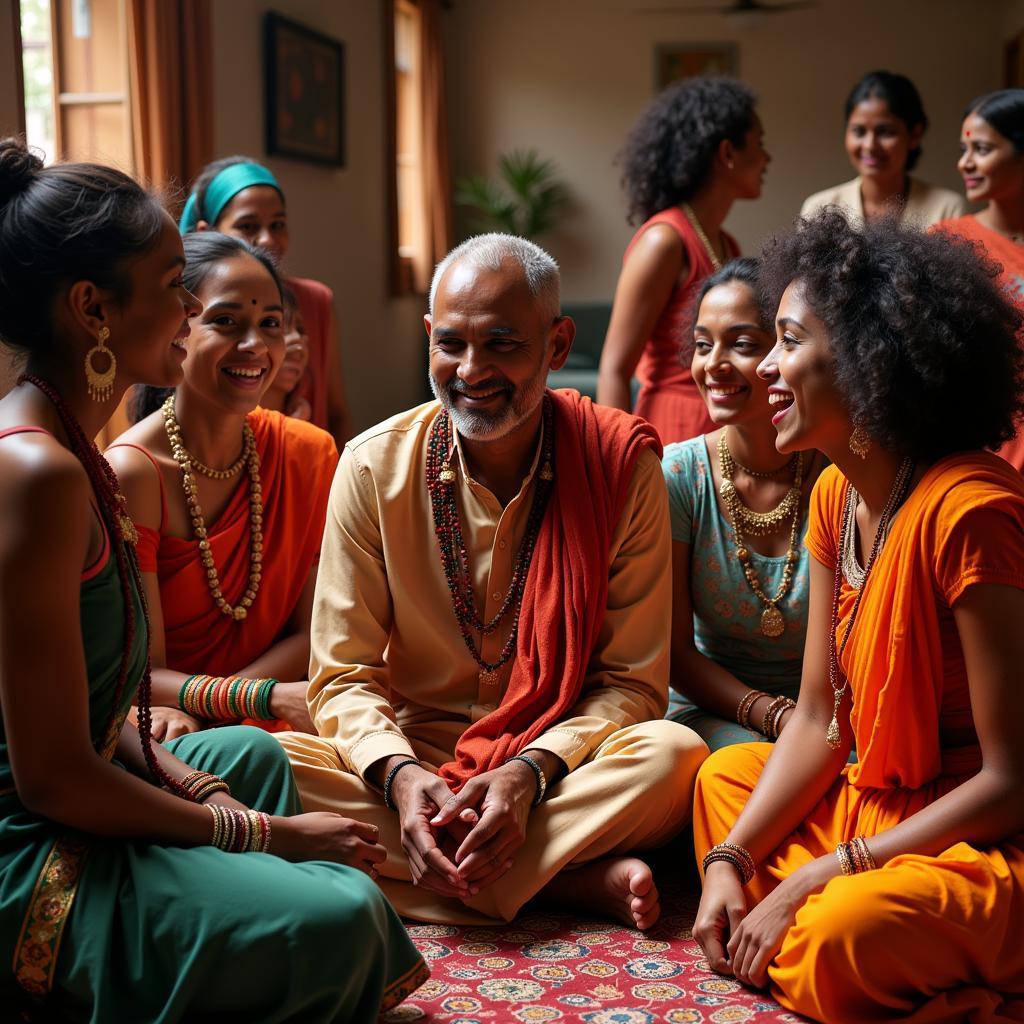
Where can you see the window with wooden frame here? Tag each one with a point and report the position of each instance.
(77, 95)
(402, 31)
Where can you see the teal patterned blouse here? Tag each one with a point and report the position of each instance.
(726, 613)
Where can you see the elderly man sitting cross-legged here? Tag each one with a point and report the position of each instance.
(491, 624)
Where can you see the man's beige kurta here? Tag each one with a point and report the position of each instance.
(390, 673)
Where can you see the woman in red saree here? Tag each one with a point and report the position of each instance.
(230, 569)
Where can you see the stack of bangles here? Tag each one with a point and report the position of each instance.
(735, 855)
(855, 857)
(226, 698)
(777, 707)
(202, 785)
(239, 831)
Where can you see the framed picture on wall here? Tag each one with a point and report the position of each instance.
(673, 61)
(305, 92)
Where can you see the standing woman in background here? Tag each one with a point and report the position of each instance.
(885, 122)
(992, 166)
(695, 150)
(238, 196)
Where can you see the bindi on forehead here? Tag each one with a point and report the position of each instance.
(254, 302)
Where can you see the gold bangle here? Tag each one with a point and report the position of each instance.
(746, 705)
(737, 856)
(862, 855)
(845, 859)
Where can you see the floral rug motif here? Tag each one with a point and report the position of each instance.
(550, 966)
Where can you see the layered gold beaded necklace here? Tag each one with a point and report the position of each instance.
(746, 520)
(189, 467)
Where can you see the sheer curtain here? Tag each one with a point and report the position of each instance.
(171, 67)
(437, 219)
(170, 63)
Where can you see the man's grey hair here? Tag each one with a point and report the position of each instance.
(492, 251)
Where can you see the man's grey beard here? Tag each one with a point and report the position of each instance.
(485, 426)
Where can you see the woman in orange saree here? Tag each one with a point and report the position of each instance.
(259, 514)
(892, 889)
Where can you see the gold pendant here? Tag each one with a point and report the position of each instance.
(127, 529)
(772, 622)
(488, 678)
(447, 475)
(833, 736)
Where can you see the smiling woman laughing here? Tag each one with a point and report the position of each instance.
(229, 502)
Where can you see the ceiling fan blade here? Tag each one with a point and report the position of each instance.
(676, 9)
(738, 7)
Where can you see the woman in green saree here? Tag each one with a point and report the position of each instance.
(137, 882)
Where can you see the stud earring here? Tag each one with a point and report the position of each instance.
(100, 382)
(860, 442)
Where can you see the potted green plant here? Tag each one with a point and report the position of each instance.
(525, 200)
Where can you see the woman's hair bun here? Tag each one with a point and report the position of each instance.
(18, 166)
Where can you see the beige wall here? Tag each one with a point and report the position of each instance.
(569, 77)
(337, 216)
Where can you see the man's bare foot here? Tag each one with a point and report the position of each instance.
(620, 887)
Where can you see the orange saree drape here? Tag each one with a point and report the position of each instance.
(923, 939)
(297, 462)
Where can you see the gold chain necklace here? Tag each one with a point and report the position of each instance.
(836, 676)
(772, 622)
(186, 463)
(759, 524)
(705, 241)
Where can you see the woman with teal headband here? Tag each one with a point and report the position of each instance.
(238, 196)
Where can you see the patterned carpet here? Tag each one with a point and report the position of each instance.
(549, 966)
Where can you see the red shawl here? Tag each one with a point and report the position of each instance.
(566, 594)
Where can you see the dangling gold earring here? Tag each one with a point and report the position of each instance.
(101, 383)
(860, 442)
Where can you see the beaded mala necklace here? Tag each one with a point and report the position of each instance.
(454, 556)
(896, 496)
(114, 510)
(187, 463)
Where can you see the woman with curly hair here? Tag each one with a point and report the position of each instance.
(885, 123)
(992, 166)
(695, 150)
(892, 889)
(139, 882)
(739, 514)
(238, 196)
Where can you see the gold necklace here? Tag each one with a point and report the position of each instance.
(705, 241)
(186, 463)
(836, 676)
(772, 622)
(760, 474)
(759, 524)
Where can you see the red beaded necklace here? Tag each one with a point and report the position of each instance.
(454, 556)
(114, 510)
